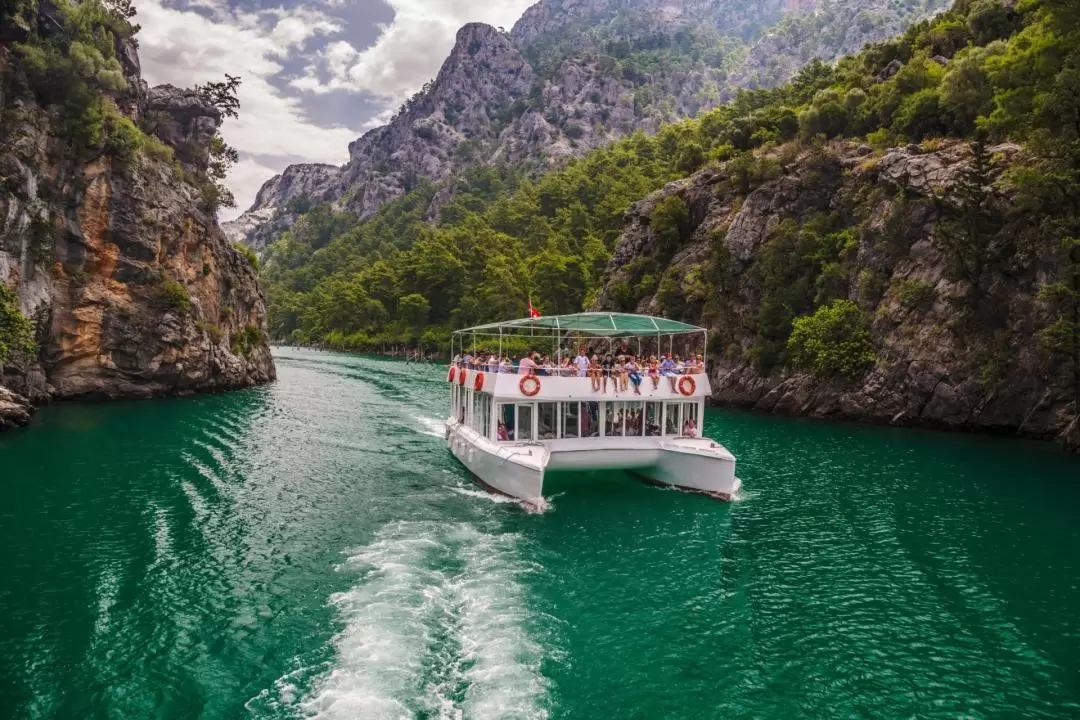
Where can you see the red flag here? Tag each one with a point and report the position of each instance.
(533, 312)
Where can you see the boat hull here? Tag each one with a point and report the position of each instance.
(695, 465)
(513, 470)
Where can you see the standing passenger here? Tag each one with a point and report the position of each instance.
(526, 366)
(581, 363)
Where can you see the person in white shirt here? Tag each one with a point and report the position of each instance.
(581, 363)
(526, 366)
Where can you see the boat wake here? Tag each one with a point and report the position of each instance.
(438, 626)
(543, 506)
(432, 426)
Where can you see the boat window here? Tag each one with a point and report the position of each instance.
(634, 419)
(524, 422)
(691, 424)
(590, 419)
(483, 420)
(546, 420)
(570, 420)
(613, 419)
(672, 423)
(653, 410)
(505, 428)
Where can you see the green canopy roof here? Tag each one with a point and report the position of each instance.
(599, 324)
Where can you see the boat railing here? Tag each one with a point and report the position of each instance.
(570, 372)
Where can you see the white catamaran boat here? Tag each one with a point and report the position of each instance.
(509, 425)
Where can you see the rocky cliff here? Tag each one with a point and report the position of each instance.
(570, 77)
(760, 245)
(106, 234)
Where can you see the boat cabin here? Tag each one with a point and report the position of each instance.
(646, 389)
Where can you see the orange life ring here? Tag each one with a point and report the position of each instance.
(478, 384)
(533, 383)
(687, 385)
(453, 372)
(461, 378)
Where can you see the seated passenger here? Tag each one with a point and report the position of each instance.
(668, 370)
(689, 428)
(607, 367)
(503, 435)
(633, 374)
(594, 373)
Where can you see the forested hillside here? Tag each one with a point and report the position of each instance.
(571, 77)
(931, 180)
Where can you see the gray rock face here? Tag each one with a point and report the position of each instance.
(554, 88)
(934, 368)
(271, 211)
(828, 32)
(15, 410)
(183, 121)
(132, 287)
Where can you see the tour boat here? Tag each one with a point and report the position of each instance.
(509, 426)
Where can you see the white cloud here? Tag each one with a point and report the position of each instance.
(184, 48)
(409, 50)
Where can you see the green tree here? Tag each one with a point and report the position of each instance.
(972, 217)
(835, 340)
(16, 332)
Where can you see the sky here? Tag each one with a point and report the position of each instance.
(316, 75)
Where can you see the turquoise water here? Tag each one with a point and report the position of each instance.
(311, 549)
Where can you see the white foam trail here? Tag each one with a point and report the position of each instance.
(485, 495)
(436, 626)
(432, 426)
(742, 495)
(535, 508)
(503, 661)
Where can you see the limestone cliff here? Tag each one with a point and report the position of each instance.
(846, 222)
(111, 247)
(571, 76)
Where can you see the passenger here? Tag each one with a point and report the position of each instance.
(457, 360)
(594, 373)
(566, 368)
(607, 367)
(654, 371)
(526, 366)
(502, 432)
(633, 374)
(667, 369)
(689, 428)
(620, 373)
(581, 363)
